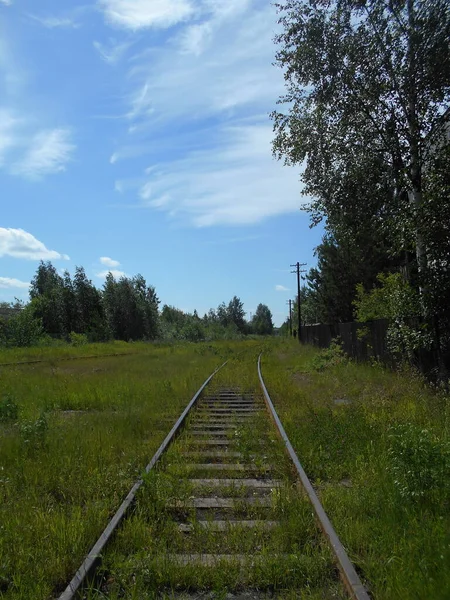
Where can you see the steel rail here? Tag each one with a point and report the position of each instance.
(93, 558)
(347, 571)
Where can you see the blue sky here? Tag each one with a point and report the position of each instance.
(135, 137)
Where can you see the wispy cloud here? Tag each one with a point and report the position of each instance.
(49, 152)
(18, 243)
(281, 288)
(192, 112)
(142, 14)
(7, 2)
(211, 75)
(109, 262)
(52, 22)
(9, 125)
(113, 51)
(239, 183)
(7, 283)
(114, 272)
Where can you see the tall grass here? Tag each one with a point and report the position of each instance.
(75, 435)
(376, 445)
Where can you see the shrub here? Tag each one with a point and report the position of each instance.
(329, 357)
(9, 409)
(25, 329)
(33, 433)
(419, 462)
(78, 339)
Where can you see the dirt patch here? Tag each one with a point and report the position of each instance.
(68, 414)
(342, 401)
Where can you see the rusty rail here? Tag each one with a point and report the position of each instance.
(347, 571)
(92, 560)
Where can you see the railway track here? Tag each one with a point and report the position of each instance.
(224, 505)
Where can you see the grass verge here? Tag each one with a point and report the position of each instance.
(376, 445)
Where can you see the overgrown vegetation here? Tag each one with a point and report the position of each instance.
(376, 445)
(76, 434)
(291, 559)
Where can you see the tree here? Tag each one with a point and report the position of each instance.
(368, 85)
(262, 323)
(89, 307)
(236, 313)
(131, 308)
(47, 299)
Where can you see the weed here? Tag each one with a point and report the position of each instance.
(78, 339)
(9, 409)
(419, 463)
(329, 357)
(33, 433)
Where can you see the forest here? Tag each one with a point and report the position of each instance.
(72, 309)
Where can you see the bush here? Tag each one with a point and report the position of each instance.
(23, 330)
(78, 339)
(419, 463)
(9, 409)
(33, 433)
(329, 357)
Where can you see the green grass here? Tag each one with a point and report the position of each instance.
(75, 436)
(292, 559)
(376, 445)
(61, 350)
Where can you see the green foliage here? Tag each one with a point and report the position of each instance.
(9, 409)
(332, 356)
(262, 323)
(393, 298)
(419, 463)
(366, 112)
(78, 339)
(33, 433)
(24, 329)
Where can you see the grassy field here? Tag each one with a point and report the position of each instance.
(291, 560)
(376, 445)
(76, 434)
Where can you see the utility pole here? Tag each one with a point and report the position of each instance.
(299, 313)
(290, 317)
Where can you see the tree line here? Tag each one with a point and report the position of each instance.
(68, 308)
(366, 113)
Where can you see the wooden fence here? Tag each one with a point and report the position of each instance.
(372, 343)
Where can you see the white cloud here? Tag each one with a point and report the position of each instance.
(18, 243)
(209, 74)
(7, 2)
(7, 283)
(48, 153)
(142, 14)
(113, 52)
(191, 111)
(281, 288)
(109, 262)
(115, 273)
(52, 22)
(237, 183)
